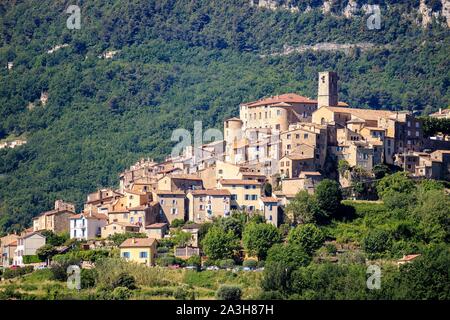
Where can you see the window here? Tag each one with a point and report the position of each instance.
(409, 123)
(126, 255)
(247, 197)
(162, 201)
(143, 255)
(174, 202)
(409, 133)
(278, 112)
(288, 136)
(417, 125)
(288, 146)
(297, 136)
(201, 208)
(305, 136)
(131, 220)
(174, 210)
(234, 197)
(270, 207)
(125, 215)
(417, 133)
(220, 171)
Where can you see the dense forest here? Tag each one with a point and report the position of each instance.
(179, 61)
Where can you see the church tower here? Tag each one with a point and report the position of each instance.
(328, 89)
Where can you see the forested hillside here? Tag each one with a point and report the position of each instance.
(178, 61)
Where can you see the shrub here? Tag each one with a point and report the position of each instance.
(13, 273)
(166, 261)
(377, 241)
(195, 261)
(31, 259)
(176, 223)
(180, 293)
(118, 238)
(251, 263)
(88, 278)
(59, 270)
(228, 292)
(125, 280)
(261, 264)
(331, 248)
(226, 263)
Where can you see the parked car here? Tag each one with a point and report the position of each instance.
(191, 268)
(14, 267)
(212, 268)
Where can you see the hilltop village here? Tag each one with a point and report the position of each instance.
(276, 147)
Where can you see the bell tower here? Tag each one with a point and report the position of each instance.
(328, 89)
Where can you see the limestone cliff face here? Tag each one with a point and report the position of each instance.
(424, 14)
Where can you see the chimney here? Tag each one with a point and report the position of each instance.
(327, 95)
(440, 110)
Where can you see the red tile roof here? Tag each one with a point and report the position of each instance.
(269, 199)
(138, 242)
(239, 182)
(211, 192)
(156, 225)
(286, 98)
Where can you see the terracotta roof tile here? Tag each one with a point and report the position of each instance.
(138, 242)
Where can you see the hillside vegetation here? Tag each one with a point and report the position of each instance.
(178, 61)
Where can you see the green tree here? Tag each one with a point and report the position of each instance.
(177, 223)
(267, 189)
(426, 277)
(119, 238)
(432, 212)
(397, 182)
(304, 208)
(380, 170)
(228, 292)
(377, 241)
(289, 255)
(258, 238)
(329, 196)
(46, 252)
(307, 236)
(181, 238)
(218, 244)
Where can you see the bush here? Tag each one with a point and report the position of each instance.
(13, 273)
(180, 293)
(250, 263)
(59, 270)
(31, 259)
(228, 292)
(226, 263)
(125, 280)
(177, 223)
(119, 238)
(88, 278)
(195, 261)
(377, 241)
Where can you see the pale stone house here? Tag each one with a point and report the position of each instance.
(204, 205)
